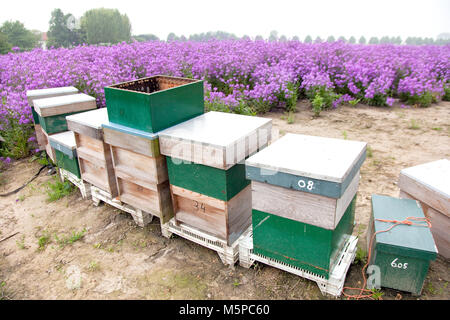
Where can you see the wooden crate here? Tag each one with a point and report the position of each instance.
(64, 147)
(226, 220)
(46, 93)
(53, 111)
(313, 209)
(404, 253)
(154, 103)
(94, 155)
(429, 183)
(216, 139)
(141, 172)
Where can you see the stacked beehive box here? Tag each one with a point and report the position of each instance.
(402, 253)
(429, 183)
(94, 155)
(52, 113)
(41, 94)
(137, 110)
(304, 193)
(206, 172)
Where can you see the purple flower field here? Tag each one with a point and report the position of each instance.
(255, 74)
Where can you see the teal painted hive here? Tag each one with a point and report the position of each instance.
(300, 244)
(46, 93)
(65, 151)
(402, 254)
(154, 103)
(53, 111)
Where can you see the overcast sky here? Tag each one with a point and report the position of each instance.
(423, 18)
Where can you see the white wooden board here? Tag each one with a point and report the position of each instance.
(92, 118)
(66, 139)
(309, 156)
(64, 104)
(49, 92)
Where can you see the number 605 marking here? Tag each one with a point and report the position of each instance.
(394, 264)
(302, 184)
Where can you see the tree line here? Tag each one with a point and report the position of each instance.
(109, 26)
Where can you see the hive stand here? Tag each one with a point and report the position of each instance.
(141, 218)
(332, 286)
(84, 187)
(228, 254)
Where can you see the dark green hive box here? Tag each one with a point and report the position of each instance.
(210, 181)
(154, 103)
(403, 254)
(299, 244)
(65, 151)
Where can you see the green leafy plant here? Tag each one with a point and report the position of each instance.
(377, 294)
(57, 189)
(361, 256)
(317, 104)
(423, 100)
(369, 152)
(354, 102)
(16, 135)
(344, 134)
(43, 241)
(66, 240)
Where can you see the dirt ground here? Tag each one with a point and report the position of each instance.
(115, 259)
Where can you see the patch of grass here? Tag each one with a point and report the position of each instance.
(344, 134)
(431, 289)
(21, 198)
(21, 243)
(361, 256)
(377, 294)
(236, 283)
(56, 189)
(354, 102)
(289, 117)
(66, 240)
(369, 152)
(94, 266)
(4, 295)
(437, 129)
(414, 125)
(44, 240)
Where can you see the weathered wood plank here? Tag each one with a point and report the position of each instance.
(48, 93)
(317, 210)
(88, 123)
(429, 183)
(53, 106)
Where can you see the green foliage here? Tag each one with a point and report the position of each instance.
(16, 137)
(19, 36)
(317, 104)
(5, 46)
(354, 102)
(105, 26)
(56, 189)
(259, 105)
(321, 98)
(446, 96)
(66, 240)
(377, 294)
(423, 100)
(361, 256)
(43, 240)
(378, 100)
(59, 34)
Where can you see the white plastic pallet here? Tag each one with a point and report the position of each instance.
(228, 254)
(84, 187)
(332, 286)
(141, 218)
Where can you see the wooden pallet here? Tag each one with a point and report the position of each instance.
(84, 187)
(332, 286)
(141, 218)
(228, 254)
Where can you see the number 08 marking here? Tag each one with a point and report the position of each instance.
(302, 184)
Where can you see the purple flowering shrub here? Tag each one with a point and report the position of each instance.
(240, 76)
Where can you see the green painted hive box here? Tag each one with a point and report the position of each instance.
(65, 151)
(53, 111)
(154, 103)
(299, 244)
(402, 254)
(46, 93)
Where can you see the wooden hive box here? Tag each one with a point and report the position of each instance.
(64, 147)
(53, 111)
(154, 103)
(206, 173)
(40, 137)
(303, 199)
(429, 183)
(140, 170)
(94, 155)
(47, 147)
(402, 254)
(305, 178)
(46, 93)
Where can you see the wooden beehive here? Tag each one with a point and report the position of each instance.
(140, 170)
(206, 173)
(154, 103)
(47, 147)
(303, 199)
(429, 183)
(402, 254)
(65, 151)
(46, 93)
(94, 155)
(53, 111)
